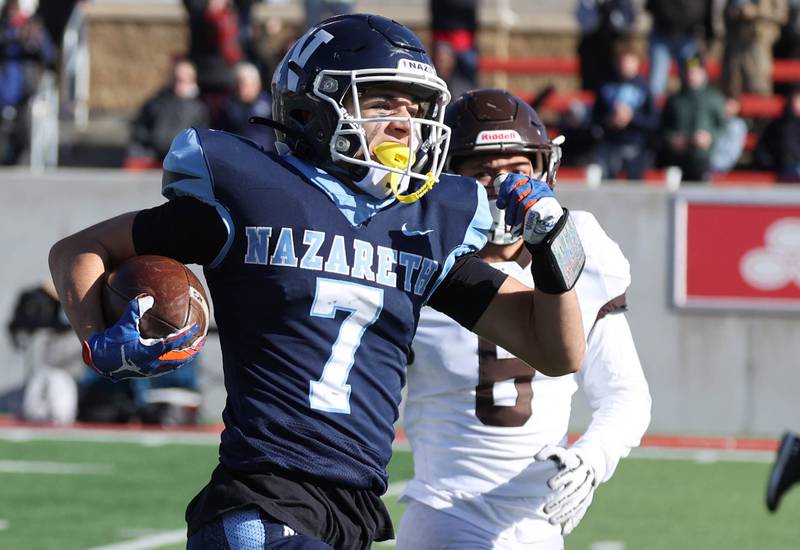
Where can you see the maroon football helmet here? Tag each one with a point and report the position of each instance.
(491, 121)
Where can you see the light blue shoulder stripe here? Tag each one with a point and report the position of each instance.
(356, 207)
(186, 174)
(474, 238)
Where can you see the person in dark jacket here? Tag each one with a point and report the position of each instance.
(624, 118)
(54, 15)
(26, 51)
(603, 23)
(214, 48)
(679, 27)
(778, 147)
(751, 29)
(693, 120)
(249, 100)
(168, 112)
(454, 25)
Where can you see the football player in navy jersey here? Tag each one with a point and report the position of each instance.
(318, 259)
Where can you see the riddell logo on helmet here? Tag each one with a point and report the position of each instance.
(497, 136)
(417, 66)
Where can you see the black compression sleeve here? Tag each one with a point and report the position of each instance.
(184, 228)
(467, 290)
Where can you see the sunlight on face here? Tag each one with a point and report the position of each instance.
(486, 168)
(379, 102)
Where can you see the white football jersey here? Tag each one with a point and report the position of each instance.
(476, 416)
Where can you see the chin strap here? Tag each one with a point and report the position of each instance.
(395, 155)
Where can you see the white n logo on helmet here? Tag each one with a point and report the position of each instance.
(300, 55)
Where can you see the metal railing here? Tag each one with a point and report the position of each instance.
(75, 68)
(44, 124)
(72, 95)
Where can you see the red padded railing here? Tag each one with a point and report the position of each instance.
(783, 70)
(573, 174)
(753, 106)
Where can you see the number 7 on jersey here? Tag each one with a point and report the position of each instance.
(331, 392)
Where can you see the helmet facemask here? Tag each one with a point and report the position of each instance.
(391, 168)
(545, 160)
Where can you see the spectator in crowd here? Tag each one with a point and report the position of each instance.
(319, 10)
(54, 15)
(788, 45)
(678, 29)
(576, 127)
(730, 143)
(249, 100)
(445, 61)
(25, 51)
(778, 147)
(169, 400)
(213, 48)
(244, 13)
(169, 111)
(693, 119)
(270, 38)
(39, 331)
(751, 29)
(455, 22)
(603, 24)
(624, 118)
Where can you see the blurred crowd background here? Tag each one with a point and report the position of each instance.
(642, 89)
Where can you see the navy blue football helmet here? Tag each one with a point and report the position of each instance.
(326, 71)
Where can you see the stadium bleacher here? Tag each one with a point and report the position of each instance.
(752, 106)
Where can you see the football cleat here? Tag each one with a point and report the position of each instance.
(785, 471)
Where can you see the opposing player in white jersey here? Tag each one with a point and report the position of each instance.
(489, 433)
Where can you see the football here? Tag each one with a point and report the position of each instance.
(180, 298)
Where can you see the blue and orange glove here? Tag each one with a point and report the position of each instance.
(532, 211)
(120, 352)
(531, 207)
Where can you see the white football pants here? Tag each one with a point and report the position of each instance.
(425, 528)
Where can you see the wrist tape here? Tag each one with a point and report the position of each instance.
(558, 260)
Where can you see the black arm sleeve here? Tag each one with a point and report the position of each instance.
(184, 228)
(467, 290)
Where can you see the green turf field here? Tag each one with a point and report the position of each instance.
(77, 495)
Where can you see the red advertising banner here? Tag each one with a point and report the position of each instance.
(743, 255)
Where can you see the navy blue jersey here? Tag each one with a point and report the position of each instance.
(316, 295)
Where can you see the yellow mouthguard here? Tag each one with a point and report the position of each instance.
(395, 155)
